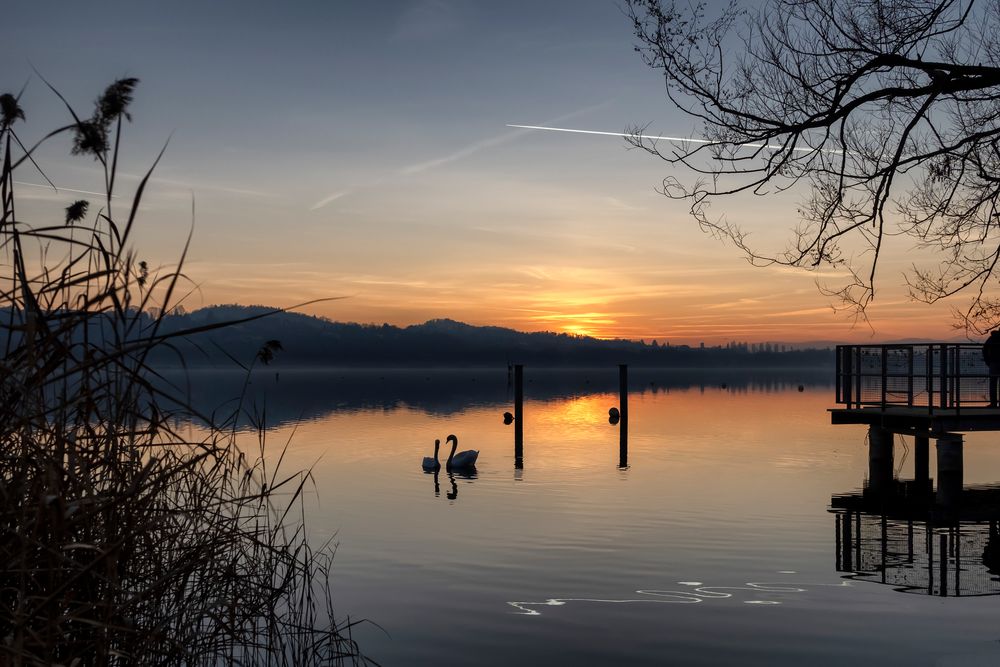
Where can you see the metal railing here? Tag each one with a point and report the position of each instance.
(931, 375)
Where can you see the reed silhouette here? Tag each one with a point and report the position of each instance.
(124, 541)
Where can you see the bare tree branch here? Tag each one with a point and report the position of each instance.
(885, 113)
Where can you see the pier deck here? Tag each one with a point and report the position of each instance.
(904, 419)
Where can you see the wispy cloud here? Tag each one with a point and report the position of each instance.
(208, 186)
(329, 200)
(183, 187)
(463, 152)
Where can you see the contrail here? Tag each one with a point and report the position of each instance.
(326, 200)
(459, 154)
(49, 187)
(798, 149)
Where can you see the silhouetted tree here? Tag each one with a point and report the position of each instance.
(886, 111)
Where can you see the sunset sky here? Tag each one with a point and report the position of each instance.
(362, 150)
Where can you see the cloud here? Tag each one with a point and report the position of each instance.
(497, 140)
(459, 154)
(328, 200)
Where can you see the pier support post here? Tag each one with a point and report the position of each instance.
(950, 469)
(921, 462)
(518, 415)
(623, 409)
(879, 459)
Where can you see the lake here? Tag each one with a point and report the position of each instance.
(715, 544)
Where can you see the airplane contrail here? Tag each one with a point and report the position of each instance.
(798, 149)
(49, 187)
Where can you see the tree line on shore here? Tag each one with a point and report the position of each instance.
(314, 341)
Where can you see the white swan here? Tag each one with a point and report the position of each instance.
(433, 463)
(462, 460)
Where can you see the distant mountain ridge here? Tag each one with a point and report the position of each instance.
(315, 341)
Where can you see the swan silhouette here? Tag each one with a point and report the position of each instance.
(433, 463)
(462, 460)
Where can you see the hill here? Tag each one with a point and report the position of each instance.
(314, 341)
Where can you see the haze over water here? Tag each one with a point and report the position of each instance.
(714, 546)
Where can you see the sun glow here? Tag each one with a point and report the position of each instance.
(579, 330)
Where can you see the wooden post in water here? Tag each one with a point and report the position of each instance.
(623, 409)
(518, 416)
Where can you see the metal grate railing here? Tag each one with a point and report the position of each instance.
(931, 375)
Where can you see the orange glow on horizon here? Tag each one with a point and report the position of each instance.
(684, 300)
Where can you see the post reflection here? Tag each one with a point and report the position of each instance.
(623, 419)
(623, 444)
(518, 416)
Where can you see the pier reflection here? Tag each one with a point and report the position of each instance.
(899, 537)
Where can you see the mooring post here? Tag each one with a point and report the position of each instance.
(623, 408)
(879, 459)
(518, 415)
(921, 462)
(950, 469)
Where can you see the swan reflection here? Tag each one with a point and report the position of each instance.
(468, 474)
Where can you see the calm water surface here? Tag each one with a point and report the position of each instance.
(714, 546)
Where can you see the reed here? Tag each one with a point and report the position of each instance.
(122, 539)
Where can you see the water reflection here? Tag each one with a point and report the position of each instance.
(724, 488)
(696, 593)
(308, 395)
(622, 443)
(900, 538)
(468, 475)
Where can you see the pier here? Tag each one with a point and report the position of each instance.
(928, 391)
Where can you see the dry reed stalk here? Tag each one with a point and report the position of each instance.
(121, 540)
